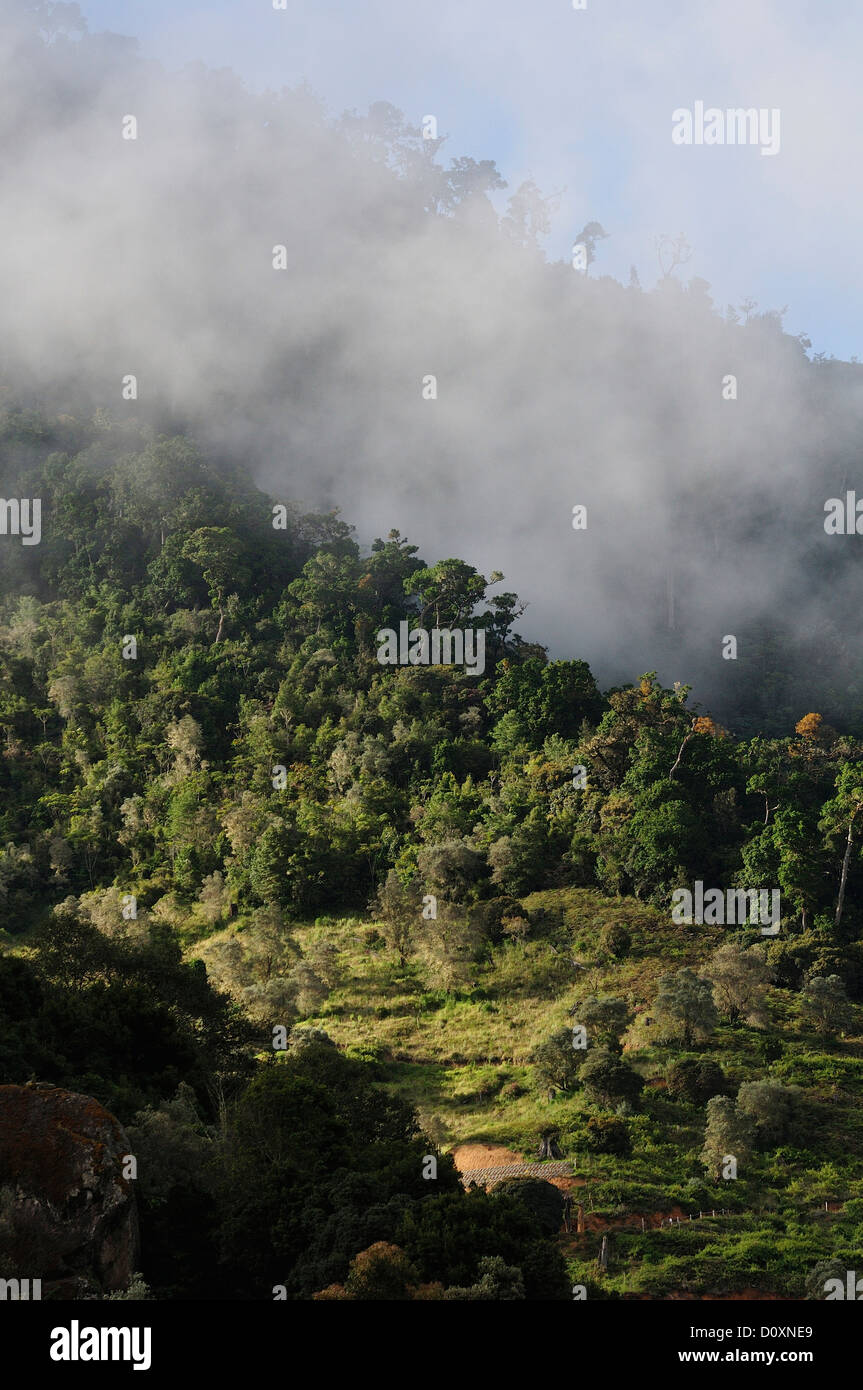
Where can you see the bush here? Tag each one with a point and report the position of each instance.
(811, 954)
(542, 1199)
(512, 1090)
(606, 1135)
(497, 1281)
(136, 1291)
(615, 940)
(607, 1078)
(495, 914)
(447, 1235)
(371, 1053)
(431, 1000)
(827, 1004)
(770, 1049)
(695, 1080)
(773, 1108)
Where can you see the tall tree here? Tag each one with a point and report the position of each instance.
(840, 814)
(685, 1005)
(217, 550)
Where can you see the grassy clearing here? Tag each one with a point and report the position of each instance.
(463, 1059)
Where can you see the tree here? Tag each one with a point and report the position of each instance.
(801, 868)
(772, 1108)
(841, 814)
(809, 727)
(269, 868)
(450, 868)
(311, 992)
(557, 1062)
(546, 698)
(609, 1079)
(256, 966)
(390, 565)
(468, 183)
(217, 551)
(685, 1007)
(325, 960)
(729, 1134)
(186, 739)
(497, 1281)
(135, 1017)
(383, 1272)
(528, 214)
(765, 763)
(589, 235)
(740, 979)
(826, 1002)
(519, 861)
(450, 590)
(605, 1018)
(313, 1139)
(174, 1149)
(397, 908)
(447, 1236)
(499, 620)
(672, 252)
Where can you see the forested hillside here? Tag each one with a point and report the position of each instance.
(194, 712)
(302, 922)
(223, 816)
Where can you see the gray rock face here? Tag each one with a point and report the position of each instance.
(67, 1213)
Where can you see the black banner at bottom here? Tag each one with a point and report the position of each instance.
(84, 1340)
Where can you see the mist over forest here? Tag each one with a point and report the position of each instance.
(406, 259)
(431, 693)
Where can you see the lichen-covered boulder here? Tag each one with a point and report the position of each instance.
(67, 1213)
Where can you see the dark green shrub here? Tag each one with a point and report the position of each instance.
(695, 1080)
(542, 1199)
(606, 1135)
(609, 1079)
(615, 940)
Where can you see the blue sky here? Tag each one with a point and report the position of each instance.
(582, 101)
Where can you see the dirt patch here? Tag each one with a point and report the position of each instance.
(468, 1157)
(633, 1221)
(565, 1184)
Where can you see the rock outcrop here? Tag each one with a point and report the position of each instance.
(67, 1213)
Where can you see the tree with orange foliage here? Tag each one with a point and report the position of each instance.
(705, 725)
(808, 726)
(815, 735)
